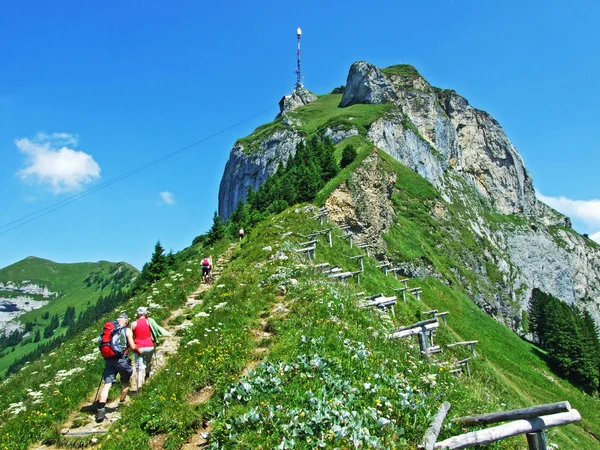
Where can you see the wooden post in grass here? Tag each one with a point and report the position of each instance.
(349, 237)
(431, 313)
(360, 260)
(443, 316)
(310, 252)
(537, 440)
(384, 266)
(405, 282)
(416, 292)
(365, 247)
(323, 266)
(403, 290)
(434, 429)
(465, 364)
(471, 343)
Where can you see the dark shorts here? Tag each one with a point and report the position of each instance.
(114, 366)
(205, 270)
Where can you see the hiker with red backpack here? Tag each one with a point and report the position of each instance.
(206, 268)
(115, 341)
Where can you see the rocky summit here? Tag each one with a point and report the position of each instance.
(486, 194)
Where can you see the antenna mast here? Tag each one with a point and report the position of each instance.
(299, 84)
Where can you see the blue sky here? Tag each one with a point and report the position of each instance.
(92, 90)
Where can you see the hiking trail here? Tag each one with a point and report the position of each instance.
(82, 422)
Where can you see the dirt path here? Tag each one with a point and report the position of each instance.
(82, 422)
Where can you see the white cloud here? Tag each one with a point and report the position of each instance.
(586, 211)
(596, 237)
(166, 198)
(50, 161)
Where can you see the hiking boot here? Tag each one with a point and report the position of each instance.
(101, 415)
(147, 376)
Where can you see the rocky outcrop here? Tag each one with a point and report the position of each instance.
(393, 135)
(338, 134)
(559, 264)
(364, 201)
(470, 141)
(296, 99)
(486, 157)
(249, 169)
(367, 84)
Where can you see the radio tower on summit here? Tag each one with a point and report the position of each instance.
(299, 84)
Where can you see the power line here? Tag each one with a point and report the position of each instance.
(67, 201)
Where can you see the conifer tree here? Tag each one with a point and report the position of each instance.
(37, 337)
(348, 155)
(217, 230)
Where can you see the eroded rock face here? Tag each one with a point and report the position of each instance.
(364, 202)
(403, 144)
(367, 84)
(562, 266)
(487, 158)
(250, 169)
(299, 97)
(338, 134)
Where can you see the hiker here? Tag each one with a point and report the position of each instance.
(115, 342)
(206, 268)
(241, 233)
(142, 336)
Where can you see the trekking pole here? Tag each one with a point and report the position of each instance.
(100, 384)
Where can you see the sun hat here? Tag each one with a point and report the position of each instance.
(142, 311)
(123, 316)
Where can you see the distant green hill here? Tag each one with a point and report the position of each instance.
(77, 285)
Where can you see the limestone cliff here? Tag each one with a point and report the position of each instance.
(465, 154)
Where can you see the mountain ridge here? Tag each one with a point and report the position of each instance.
(467, 156)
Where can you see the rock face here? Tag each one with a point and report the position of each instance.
(299, 97)
(457, 148)
(18, 298)
(436, 129)
(367, 84)
(364, 201)
(250, 169)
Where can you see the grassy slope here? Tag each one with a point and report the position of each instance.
(68, 281)
(322, 320)
(320, 114)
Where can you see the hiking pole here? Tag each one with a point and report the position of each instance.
(99, 384)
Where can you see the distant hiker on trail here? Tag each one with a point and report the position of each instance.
(142, 336)
(241, 234)
(206, 268)
(115, 341)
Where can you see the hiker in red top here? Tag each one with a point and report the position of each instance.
(142, 337)
(206, 268)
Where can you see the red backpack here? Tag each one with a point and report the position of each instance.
(205, 262)
(111, 340)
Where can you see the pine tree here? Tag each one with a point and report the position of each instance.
(69, 317)
(328, 165)
(537, 314)
(348, 155)
(217, 230)
(37, 337)
(157, 265)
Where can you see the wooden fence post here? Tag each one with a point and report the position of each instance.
(537, 441)
(434, 429)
